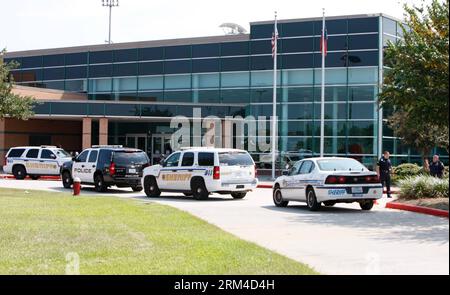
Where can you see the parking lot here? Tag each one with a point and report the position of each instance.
(338, 240)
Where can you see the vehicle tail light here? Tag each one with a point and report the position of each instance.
(372, 179)
(112, 168)
(342, 179)
(331, 180)
(216, 173)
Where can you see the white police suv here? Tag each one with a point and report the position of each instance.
(202, 171)
(35, 161)
(328, 181)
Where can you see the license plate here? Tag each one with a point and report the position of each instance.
(357, 190)
(132, 171)
(240, 186)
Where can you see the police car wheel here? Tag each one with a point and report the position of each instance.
(278, 199)
(151, 187)
(311, 200)
(239, 195)
(366, 205)
(66, 179)
(19, 172)
(137, 188)
(34, 177)
(199, 190)
(100, 186)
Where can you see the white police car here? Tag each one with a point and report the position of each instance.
(328, 181)
(35, 161)
(202, 171)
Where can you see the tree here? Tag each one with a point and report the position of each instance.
(416, 81)
(12, 105)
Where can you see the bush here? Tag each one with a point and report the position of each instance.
(406, 170)
(423, 186)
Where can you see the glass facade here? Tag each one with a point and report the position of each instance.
(235, 77)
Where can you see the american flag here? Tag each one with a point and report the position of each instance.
(274, 42)
(324, 42)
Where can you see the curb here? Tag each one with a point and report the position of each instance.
(417, 209)
(52, 178)
(269, 186)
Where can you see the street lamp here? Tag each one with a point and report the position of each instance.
(110, 4)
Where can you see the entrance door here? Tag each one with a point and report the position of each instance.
(161, 148)
(137, 141)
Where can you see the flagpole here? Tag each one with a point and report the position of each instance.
(322, 101)
(274, 102)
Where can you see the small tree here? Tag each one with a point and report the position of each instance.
(12, 105)
(416, 84)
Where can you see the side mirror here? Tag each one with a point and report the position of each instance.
(285, 172)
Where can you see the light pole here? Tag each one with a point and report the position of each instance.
(110, 4)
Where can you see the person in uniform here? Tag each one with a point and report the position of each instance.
(384, 171)
(437, 167)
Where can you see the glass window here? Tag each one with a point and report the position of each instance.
(334, 59)
(361, 128)
(261, 47)
(97, 57)
(362, 110)
(363, 41)
(363, 25)
(76, 72)
(300, 94)
(333, 111)
(340, 165)
(363, 93)
(206, 159)
(363, 58)
(298, 128)
(335, 43)
(122, 109)
(83, 156)
(235, 79)
(300, 111)
(100, 85)
(159, 110)
(76, 58)
(205, 65)
(235, 96)
(53, 60)
(334, 26)
(363, 76)
(177, 67)
(53, 85)
(128, 96)
(47, 154)
(76, 85)
(264, 95)
(15, 153)
(67, 108)
(206, 96)
(100, 71)
(235, 64)
(178, 82)
(32, 153)
(183, 51)
(297, 61)
(297, 45)
(307, 167)
(298, 29)
(188, 160)
(31, 62)
(263, 62)
(173, 160)
(234, 48)
(332, 76)
(150, 96)
(125, 55)
(332, 93)
(264, 79)
(205, 81)
(332, 128)
(262, 31)
(151, 68)
(151, 83)
(389, 26)
(54, 74)
(206, 50)
(178, 96)
(235, 159)
(93, 157)
(152, 53)
(98, 96)
(31, 75)
(298, 77)
(361, 146)
(125, 84)
(125, 69)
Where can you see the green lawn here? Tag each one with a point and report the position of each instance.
(117, 236)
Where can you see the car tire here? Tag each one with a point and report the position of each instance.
(366, 205)
(278, 199)
(137, 188)
(329, 203)
(100, 185)
(311, 200)
(19, 172)
(35, 177)
(239, 195)
(151, 187)
(66, 179)
(199, 190)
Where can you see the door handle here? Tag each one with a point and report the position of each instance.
(190, 170)
(174, 170)
(25, 160)
(82, 166)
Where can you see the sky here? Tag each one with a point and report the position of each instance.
(39, 24)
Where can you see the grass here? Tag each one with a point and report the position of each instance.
(117, 236)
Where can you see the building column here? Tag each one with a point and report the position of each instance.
(103, 131)
(87, 133)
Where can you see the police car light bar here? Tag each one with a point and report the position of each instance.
(107, 146)
(49, 146)
(195, 147)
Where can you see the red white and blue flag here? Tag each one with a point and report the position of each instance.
(324, 42)
(274, 42)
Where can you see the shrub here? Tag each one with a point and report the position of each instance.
(423, 186)
(406, 170)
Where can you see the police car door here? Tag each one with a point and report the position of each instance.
(79, 166)
(31, 161)
(168, 175)
(187, 170)
(48, 159)
(291, 185)
(304, 179)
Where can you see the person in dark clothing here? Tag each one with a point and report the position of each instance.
(437, 167)
(384, 171)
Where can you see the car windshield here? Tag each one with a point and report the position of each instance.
(340, 165)
(62, 153)
(235, 159)
(127, 158)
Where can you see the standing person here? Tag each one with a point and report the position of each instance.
(437, 167)
(384, 171)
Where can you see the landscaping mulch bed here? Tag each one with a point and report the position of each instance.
(435, 203)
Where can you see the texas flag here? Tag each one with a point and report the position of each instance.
(324, 42)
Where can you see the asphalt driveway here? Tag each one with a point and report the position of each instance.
(339, 240)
